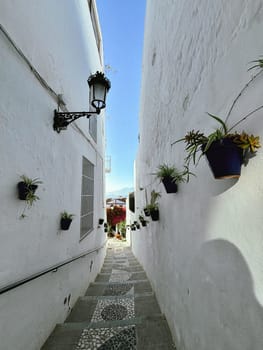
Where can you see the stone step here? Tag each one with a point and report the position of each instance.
(118, 311)
(113, 308)
(120, 276)
(108, 269)
(129, 287)
(124, 256)
(97, 297)
(142, 333)
(117, 265)
(126, 265)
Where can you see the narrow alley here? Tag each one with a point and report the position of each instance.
(118, 311)
(131, 160)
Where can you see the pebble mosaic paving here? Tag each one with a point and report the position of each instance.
(119, 311)
(109, 309)
(119, 289)
(108, 339)
(112, 310)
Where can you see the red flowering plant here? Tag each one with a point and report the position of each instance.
(115, 215)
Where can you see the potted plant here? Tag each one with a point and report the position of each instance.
(101, 221)
(137, 226)
(224, 149)
(146, 211)
(153, 206)
(230, 149)
(27, 188)
(142, 220)
(26, 191)
(154, 211)
(170, 176)
(65, 220)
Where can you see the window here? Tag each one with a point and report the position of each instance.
(87, 198)
(95, 24)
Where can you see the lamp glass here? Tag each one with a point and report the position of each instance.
(98, 95)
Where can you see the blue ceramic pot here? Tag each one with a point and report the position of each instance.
(225, 159)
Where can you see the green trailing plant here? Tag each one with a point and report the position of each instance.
(137, 225)
(153, 205)
(172, 172)
(259, 64)
(154, 196)
(29, 181)
(122, 228)
(65, 220)
(197, 142)
(142, 220)
(26, 189)
(146, 211)
(67, 216)
(31, 197)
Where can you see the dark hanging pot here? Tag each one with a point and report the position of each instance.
(146, 212)
(225, 159)
(169, 184)
(154, 214)
(101, 221)
(144, 223)
(105, 224)
(138, 226)
(65, 223)
(105, 230)
(24, 189)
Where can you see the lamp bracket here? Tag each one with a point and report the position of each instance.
(63, 119)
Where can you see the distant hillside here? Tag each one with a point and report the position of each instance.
(123, 192)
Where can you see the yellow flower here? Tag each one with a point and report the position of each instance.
(254, 143)
(246, 141)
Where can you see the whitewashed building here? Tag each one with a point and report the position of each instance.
(48, 50)
(204, 255)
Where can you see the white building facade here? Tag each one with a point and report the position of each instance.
(204, 255)
(47, 49)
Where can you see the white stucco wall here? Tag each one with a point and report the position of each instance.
(58, 39)
(204, 256)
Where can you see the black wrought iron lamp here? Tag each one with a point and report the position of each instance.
(99, 86)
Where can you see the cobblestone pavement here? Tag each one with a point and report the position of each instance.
(119, 310)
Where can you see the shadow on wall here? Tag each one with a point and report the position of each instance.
(221, 310)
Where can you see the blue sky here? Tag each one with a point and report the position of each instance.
(122, 26)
